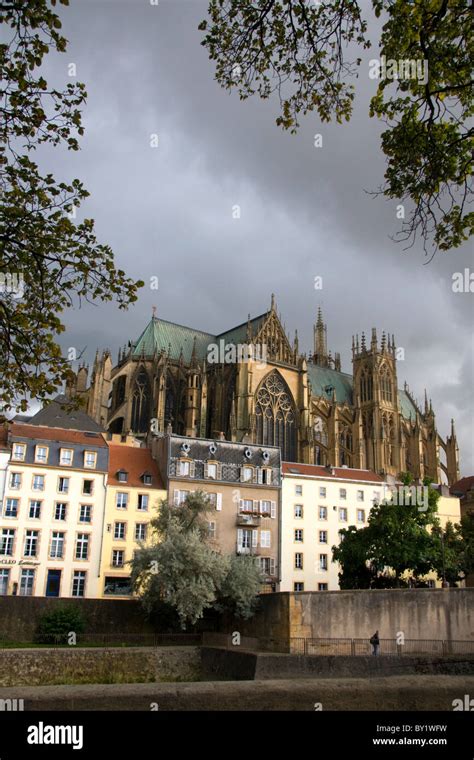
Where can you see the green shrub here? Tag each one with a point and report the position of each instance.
(54, 626)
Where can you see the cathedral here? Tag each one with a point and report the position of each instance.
(169, 380)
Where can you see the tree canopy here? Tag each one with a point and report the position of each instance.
(403, 538)
(306, 54)
(184, 569)
(49, 261)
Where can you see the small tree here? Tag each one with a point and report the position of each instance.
(59, 622)
(183, 569)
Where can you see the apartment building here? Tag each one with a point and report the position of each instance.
(317, 503)
(243, 484)
(52, 511)
(134, 491)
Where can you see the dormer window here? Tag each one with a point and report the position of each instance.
(147, 479)
(186, 468)
(246, 474)
(122, 476)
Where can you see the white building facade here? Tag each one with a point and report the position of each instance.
(317, 503)
(52, 513)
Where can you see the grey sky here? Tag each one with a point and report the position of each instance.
(167, 211)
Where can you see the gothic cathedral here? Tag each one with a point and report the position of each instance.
(169, 380)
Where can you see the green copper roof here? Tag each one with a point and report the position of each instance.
(160, 335)
(323, 380)
(239, 334)
(406, 406)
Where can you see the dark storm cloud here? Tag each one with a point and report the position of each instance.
(167, 212)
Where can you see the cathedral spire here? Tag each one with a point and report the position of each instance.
(320, 341)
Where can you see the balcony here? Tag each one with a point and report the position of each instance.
(248, 519)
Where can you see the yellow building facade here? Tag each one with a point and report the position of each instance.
(134, 493)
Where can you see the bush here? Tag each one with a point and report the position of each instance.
(54, 626)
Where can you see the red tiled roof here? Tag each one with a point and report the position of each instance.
(316, 471)
(463, 486)
(135, 461)
(36, 432)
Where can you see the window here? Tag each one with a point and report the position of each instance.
(35, 509)
(118, 557)
(90, 459)
(117, 586)
(361, 515)
(299, 490)
(265, 507)
(246, 474)
(184, 468)
(85, 513)
(18, 452)
(323, 561)
(142, 501)
(298, 511)
(57, 545)
(265, 475)
(360, 496)
(323, 513)
(38, 483)
(265, 539)
(65, 457)
(267, 565)
(180, 497)
(41, 454)
(323, 536)
(122, 476)
(246, 505)
(322, 586)
(376, 496)
(7, 537)
(60, 509)
(298, 586)
(4, 578)
(322, 492)
(31, 543)
(147, 480)
(119, 530)
(343, 514)
(247, 539)
(298, 561)
(82, 546)
(299, 534)
(15, 480)
(211, 529)
(87, 487)
(63, 485)
(11, 508)
(78, 583)
(121, 501)
(212, 470)
(342, 493)
(27, 580)
(275, 416)
(140, 531)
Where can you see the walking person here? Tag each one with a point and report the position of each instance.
(375, 641)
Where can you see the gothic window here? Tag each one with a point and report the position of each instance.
(385, 384)
(321, 439)
(276, 416)
(119, 391)
(170, 401)
(345, 445)
(365, 386)
(141, 403)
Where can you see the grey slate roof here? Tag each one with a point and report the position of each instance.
(53, 415)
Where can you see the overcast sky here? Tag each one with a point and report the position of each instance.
(305, 212)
